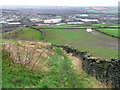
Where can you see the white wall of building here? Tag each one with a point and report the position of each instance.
(75, 22)
(52, 21)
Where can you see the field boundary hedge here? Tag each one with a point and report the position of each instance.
(106, 71)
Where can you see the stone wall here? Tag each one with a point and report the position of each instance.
(106, 71)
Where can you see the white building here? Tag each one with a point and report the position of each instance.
(2, 22)
(89, 30)
(35, 20)
(52, 21)
(60, 24)
(15, 23)
(89, 20)
(75, 22)
(84, 15)
(10, 20)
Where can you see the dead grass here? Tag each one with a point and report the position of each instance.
(30, 54)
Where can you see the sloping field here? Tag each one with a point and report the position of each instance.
(110, 31)
(24, 33)
(78, 38)
(39, 65)
(25, 66)
(96, 43)
(100, 25)
(114, 25)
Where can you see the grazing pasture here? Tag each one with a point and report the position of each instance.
(112, 31)
(24, 33)
(78, 26)
(64, 26)
(96, 43)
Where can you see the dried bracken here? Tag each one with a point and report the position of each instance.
(30, 54)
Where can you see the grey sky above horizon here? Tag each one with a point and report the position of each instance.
(61, 2)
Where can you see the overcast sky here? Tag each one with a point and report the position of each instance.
(61, 2)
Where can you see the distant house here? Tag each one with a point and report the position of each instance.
(52, 21)
(10, 20)
(13, 21)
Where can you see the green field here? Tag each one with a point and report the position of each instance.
(64, 26)
(79, 26)
(114, 25)
(24, 34)
(100, 15)
(93, 11)
(105, 25)
(110, 31)
(77, 38)
(81, 40)
(72, 26)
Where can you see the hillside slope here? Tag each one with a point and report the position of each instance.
(24, 33)
(39, 65)
(34, 64)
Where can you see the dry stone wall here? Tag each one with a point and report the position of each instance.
(106, 71)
